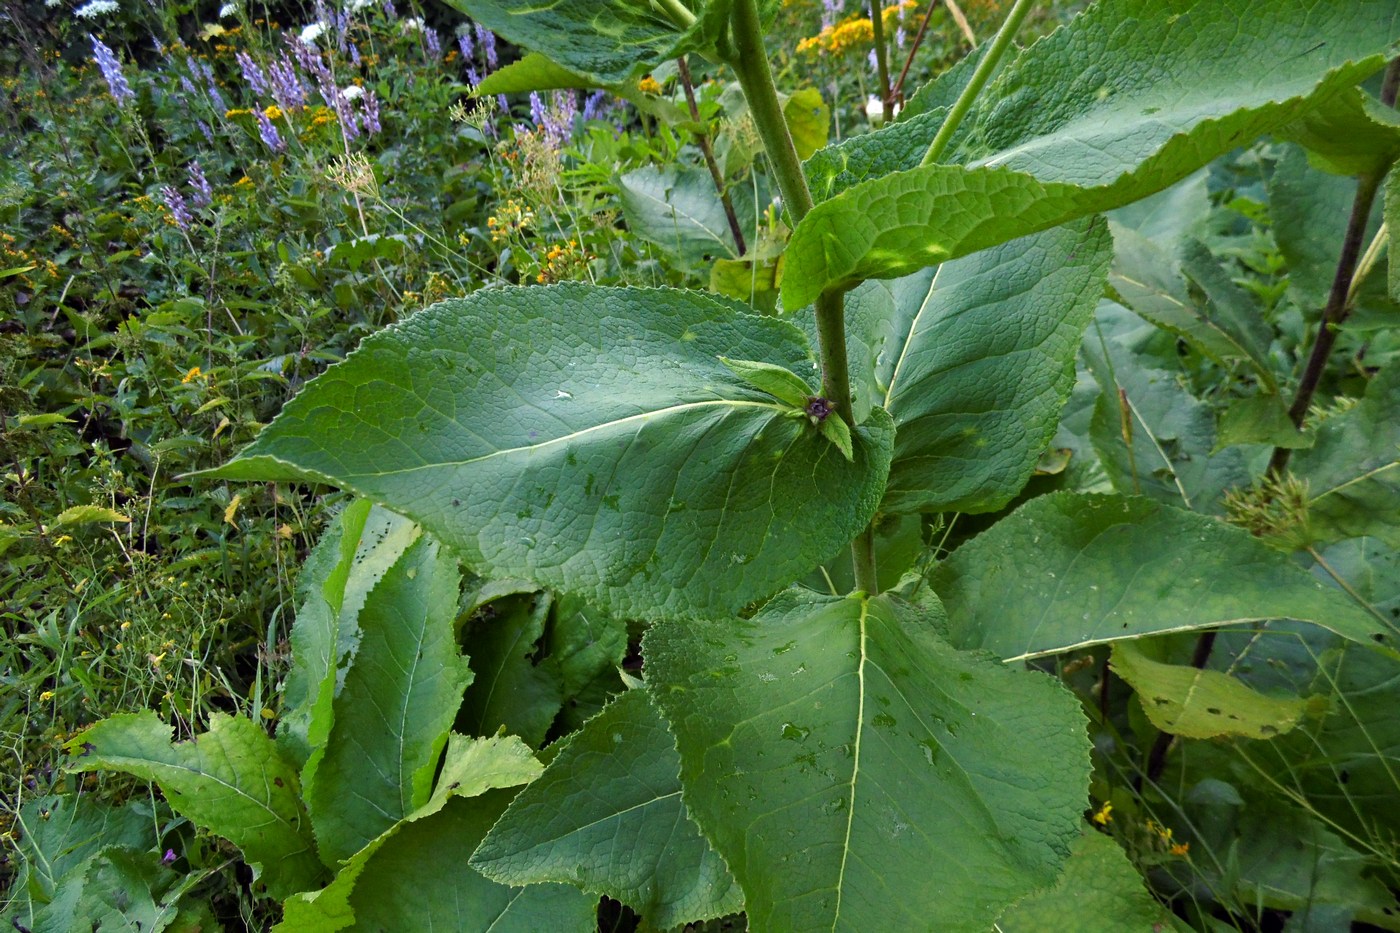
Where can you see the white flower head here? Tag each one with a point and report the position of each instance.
(311, 33)
(413, 24)
(353, 92)
(227, 10)
(95, 8)
(53, 4)
(355, 6)
(875, 108)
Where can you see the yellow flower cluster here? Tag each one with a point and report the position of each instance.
(1164, 833)
(512, 218)
(649, 85)
(560, 262)
(852, 32)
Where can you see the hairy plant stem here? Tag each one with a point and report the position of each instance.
(676, 12)
(1338, 299)
(702, 139)
(985, 67)
(882, 65)
(749, 59)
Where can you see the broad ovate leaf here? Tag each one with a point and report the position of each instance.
(857, 773)
(396, 705)
(607, 816)
(229, 780)
(678, 210)
(589, 440)
(1202, 704)
(1067, 570)
(975, 369)
(1124, 101)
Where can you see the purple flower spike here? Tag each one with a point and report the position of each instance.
(465, 45)
(371, 115)
(487, 40)
(112, 71)
(269, 133)
(253, 74)
(179, 210)
(434, 44)
(203, 194)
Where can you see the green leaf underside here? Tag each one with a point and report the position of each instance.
(514, 690)
(1202, 704)
(1353, 471)
(897, 147)
(857, 773)
(230, 780)
(1118, 104)
(605, 41)
(607, 816)
(976, 372)
(589, 440)
(392, 716)
(678, 209)
(1100, 892)
(1107, 568)
(470, 767)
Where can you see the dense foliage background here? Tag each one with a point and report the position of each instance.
(202, 207)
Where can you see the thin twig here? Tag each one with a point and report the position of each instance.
(702, 139)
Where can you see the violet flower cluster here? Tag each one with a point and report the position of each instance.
(112, 70)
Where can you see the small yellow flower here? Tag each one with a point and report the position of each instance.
(273, 112)
(1180, 849)
(649, 85)
(46, 696)
(1104, 816)
(193, 374)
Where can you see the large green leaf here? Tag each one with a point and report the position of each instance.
(230, 780)
(470, 767)
(1066, 570)
(589, 440)
(858, 774)
(1353, 471)
(58, 832)
(607, 816)
(605, 41)
(678, 209)
(1120, 103)
(1100, 892)
(976, 369)
(514, 689)
(397, 704)
(358, 547)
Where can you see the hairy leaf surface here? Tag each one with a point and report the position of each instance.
(607, 816)
(589, 440)
(1066, 570)
(857, 773)
(230, 780)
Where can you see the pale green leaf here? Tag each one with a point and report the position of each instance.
(470, 767)
(230, 780)
(88, 515)
(358, 547)
(1353, 471)
(607, 816)
(858, 774)
(679, 210)
(513, 689)
(1350, 134)
(895, 147)
(782, 384)
(1100, 892)
(976, 369)
(1202, 704)
(1122, 102)
(587, 646)
(397, 704)
(1259, 419)
(835, 429)
(1065, 571)
(588, 440)
(808, 119)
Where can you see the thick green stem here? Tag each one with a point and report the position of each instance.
(985, 67)
(749, 59)
(882, 65)
(676, 12)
